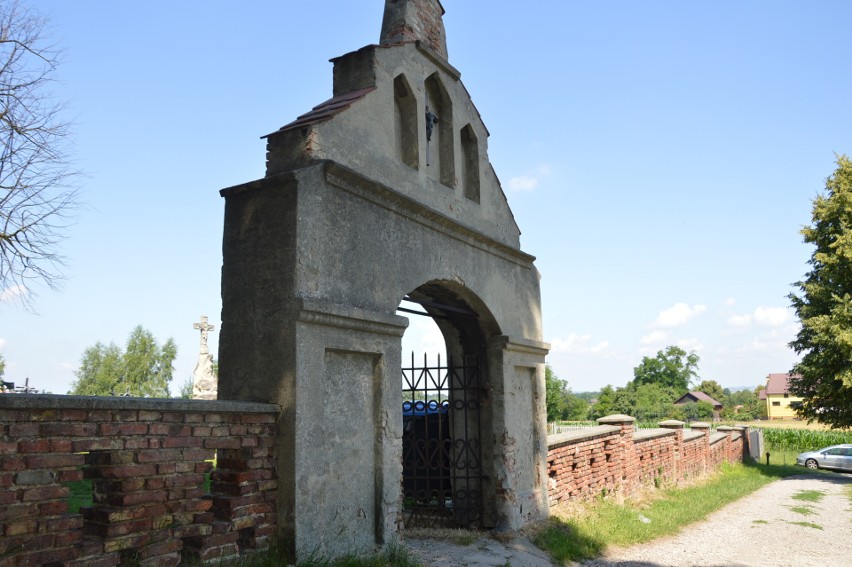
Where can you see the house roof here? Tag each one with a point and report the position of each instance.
(761, 395)
(697, 397)
(777, 384)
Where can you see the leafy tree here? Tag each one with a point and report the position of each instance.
(186, 389)
(142, 369)
(698, 410)
(561, 403)
(672, 368)
(714, 390)
(824, 306)
(606, 403)
(35, 199)
(2, 366)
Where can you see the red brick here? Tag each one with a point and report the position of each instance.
(222, 443)
(64, 523)
(20, 527)
(158, 429)
(72, 475)
(202, 431)
(12, 463)
(97, 444)
(147, 415)
(54, 461)
(137, 498)
(71, 415)
(162, 548)
(69, 429)
(112, 429)
(179, 442)
(128, 471)
(125, 415)
(17, 430)
(44, 493)
(193, 418)
(54, 508)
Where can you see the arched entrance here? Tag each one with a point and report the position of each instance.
(446, 407)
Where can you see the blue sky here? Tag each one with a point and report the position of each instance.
(659, 157)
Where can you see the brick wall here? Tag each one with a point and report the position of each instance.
(613, 458)
(147, 460)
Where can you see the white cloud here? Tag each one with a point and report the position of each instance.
(523, 183)
(2, 343)
(730, 302)
(578, 344)
(530, 180)
(656, 337)
(14, 292)
(762, 316)
(600, 347)
(67, 366)
(739, 320)
(690, 344)
(677, 315)
(771, 316)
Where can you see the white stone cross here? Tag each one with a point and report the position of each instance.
(204, 327)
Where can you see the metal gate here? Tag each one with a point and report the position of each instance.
(441, 448)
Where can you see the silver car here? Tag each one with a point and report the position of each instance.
(838, 457)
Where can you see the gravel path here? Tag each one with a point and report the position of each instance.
(761, 530)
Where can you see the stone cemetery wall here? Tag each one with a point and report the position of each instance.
(614, 458)
(147, 461)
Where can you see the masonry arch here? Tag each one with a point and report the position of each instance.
(447, 473)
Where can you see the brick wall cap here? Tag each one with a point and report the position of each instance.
(700, 425)
(643, 434)
(54, 401)
(559, 439)
(724, 428)
(672, 424)
(617, 418)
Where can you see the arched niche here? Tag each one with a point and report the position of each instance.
(470, 163)
(405, 123)
(441, 162)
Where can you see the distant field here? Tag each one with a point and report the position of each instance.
(787, 424)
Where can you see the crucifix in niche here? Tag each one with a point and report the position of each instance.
(431, 120)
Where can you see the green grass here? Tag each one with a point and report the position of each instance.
(606, 523)
(760, 522)
(809, 495)
(803, 510)
(81, 495)
(807, 525)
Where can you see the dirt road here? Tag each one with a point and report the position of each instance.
(802, 521)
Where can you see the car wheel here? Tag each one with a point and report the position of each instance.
(811, 464)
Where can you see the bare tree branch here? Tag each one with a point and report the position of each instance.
(37, 198)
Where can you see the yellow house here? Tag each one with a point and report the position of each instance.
(780, 403)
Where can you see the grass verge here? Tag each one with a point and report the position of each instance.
(586, 535)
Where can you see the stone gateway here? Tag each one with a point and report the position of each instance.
(384, 193)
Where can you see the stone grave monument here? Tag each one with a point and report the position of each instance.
(203, 377)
